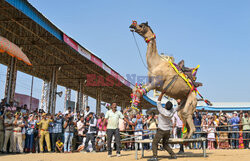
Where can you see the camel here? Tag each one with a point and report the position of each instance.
(162, 76)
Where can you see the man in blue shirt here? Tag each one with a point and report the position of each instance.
(197, 124)
(235, 120)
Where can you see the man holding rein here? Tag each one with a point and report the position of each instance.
(164, 128)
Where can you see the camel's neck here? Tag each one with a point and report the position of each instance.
(153, 58)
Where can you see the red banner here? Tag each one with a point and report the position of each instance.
(94, 59)
(70, 42)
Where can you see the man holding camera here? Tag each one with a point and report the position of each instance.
(56, 130)
(69, 127)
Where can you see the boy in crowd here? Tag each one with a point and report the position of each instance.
(59, 145)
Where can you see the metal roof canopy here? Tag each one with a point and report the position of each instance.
(43, 43)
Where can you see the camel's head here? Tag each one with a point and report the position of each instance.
(144, 30)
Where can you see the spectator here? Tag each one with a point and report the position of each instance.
(31, 127)
(69, 127)
(146, 134)
(8, 123)
(56, 130)
(113, 128)
(152, 126)
(59, 146)
(178, 123)
(68, 111)
(235, 120)
(36, 135)
(99, 144)
(91, 132)
(87, 111)
(211, 134)
(17, 133)
(102, 126)
(246, 129)
(138, 123)
(197, 123)
(1, 132)
(44, 133)
(80, 129)
(204, 126)
(24, 110)
(223, 138)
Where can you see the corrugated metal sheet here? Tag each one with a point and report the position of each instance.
(31, 12)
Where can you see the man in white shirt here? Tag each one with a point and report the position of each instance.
(164, 128)
(113, 117)
(80, 128)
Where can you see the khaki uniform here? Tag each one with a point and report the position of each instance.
(44, 125)
(8, 135)
(17, 133)
(1, 133)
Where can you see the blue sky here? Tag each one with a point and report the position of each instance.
(214, 34)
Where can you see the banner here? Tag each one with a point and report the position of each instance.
(70, 42)
(94, 59)
(106, 68)
(84, 53)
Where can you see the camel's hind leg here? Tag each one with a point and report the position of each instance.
(188, 112)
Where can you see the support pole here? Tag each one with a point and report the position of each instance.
(11, 81)
(123, 106)
(45, 95)
(98, 100)
(31, 92)
(85, 102)
(67, 98)
(204, 148)
(52, 90)
(79, 97)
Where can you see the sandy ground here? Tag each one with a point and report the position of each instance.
(190, 155)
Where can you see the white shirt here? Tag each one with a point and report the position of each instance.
(177, 120)
(9, 121)
(19, 122)
(165, 117)
(113, 119)
(80, 127)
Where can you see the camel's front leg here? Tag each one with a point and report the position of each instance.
(140, 90)
(187, 112)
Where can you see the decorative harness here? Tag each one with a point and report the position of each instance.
(148, 40)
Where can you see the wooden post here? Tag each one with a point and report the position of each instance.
(11, 81)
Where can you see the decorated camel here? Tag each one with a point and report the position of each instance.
(164, 76)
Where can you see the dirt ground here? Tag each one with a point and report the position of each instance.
(190, 155)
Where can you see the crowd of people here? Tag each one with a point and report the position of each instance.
(24, 131)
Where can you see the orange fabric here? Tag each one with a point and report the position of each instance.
(13, 50)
